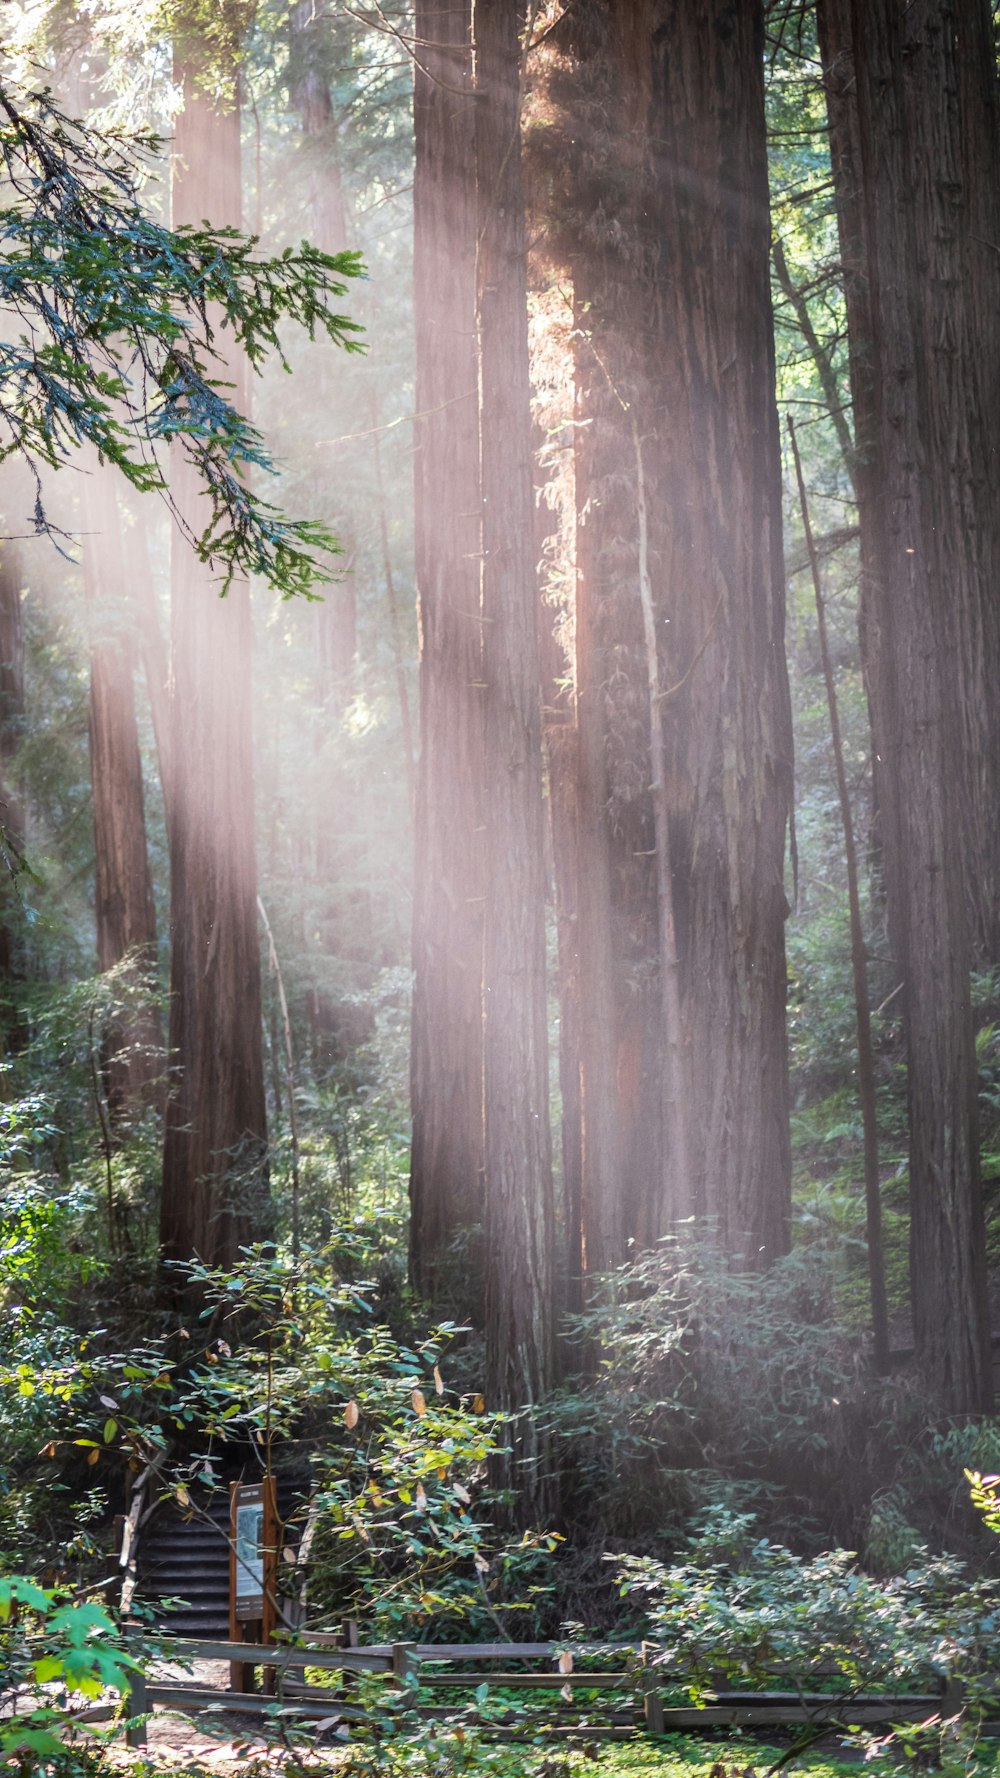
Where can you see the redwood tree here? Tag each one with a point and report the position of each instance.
(913, 108)
(684, 711)
(11, 814)
(123, 889)
(214, 1166)
(518, 1184)
(715, 505)
(446, 1065)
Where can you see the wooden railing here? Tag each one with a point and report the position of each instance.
(630, 1680)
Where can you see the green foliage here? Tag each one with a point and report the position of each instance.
(712, 1377)
(741, 1606)
(56, 1650)
(397, 1454)
(123, 348)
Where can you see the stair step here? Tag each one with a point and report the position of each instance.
(196, 1596)
(187, 1559)
(216, 1556)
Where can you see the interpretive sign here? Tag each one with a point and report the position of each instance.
(247, 1562)
(253, 1558)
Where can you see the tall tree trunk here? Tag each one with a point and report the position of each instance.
(309, 85)
(595, 166)
(446, 1069)
(518, 1182)
(896, 82)
(714, 497)
(598, 513)
(685, 714)
(126, 917)
(215, 1194)
(12, 1029)
(309, 57)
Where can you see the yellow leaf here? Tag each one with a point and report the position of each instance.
(438, 1381)
(352, 1415)
(479, 1405)
(419, 1404)
(93, 1457)
(182, 1496)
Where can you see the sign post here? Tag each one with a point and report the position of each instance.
(253, 1570)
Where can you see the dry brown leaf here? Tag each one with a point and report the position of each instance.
(352, 1415)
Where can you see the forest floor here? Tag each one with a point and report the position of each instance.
(184, 1748)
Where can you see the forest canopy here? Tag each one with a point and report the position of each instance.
(121, 317)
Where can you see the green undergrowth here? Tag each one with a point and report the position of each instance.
(677, 1756)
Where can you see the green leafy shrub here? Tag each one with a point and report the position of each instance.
(714, 1382)
(740, 1607)
(56, 1651)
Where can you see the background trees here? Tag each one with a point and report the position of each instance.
(214, 1193)
(569, 466)
(446, 1067)
(911, 97)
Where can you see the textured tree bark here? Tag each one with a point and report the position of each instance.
(714, 498)
(132, 1047)
(446, 1163)
(591, 167)
(561, 742)
(12, 1026)
(215, 1195)
(599, 548)
(309, 85)
(518, 1183)
(892, 90)
(678, 491)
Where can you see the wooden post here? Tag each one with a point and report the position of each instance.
(404, 1671)
(952, 1697)
(652, 1702)
(137, 1706)
(270, 1552)
(253, 1575)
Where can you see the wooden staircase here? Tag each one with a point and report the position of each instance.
(186, 1558)
(183, 1555)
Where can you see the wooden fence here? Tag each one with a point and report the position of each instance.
(628, 1689)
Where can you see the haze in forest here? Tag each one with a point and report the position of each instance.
(576, 923)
